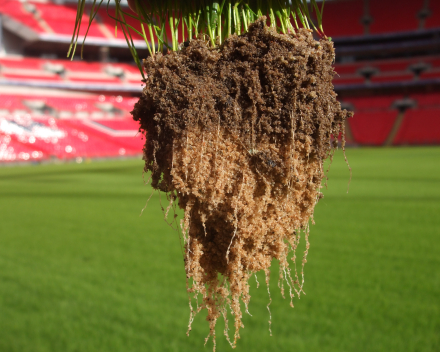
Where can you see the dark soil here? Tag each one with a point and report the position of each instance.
(238, 136)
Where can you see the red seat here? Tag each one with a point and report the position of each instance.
(79, 65)
(387, 18)
(110, 23)
(433, 61)
(393, 65)
(348, 68)
(11, 102)
(348, 80)
(123, 103)
(128, 132)
(114, 143)
(136, 81)
(430, 74)
(21, 62)
(61, 19)
(68, 138)
(427, 99)
(433, 21)
(373, 103)
(12, 150)
(72, 104)
(34, 77)
(403, 77)
(350, 24)
(24, 68)
(120, 124)
(420, 126)
(372, 128)
(15, 10)
(96, 80)
(130, 68)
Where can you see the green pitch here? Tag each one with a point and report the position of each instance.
(80, 270)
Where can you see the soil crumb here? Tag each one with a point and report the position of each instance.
(238, 135)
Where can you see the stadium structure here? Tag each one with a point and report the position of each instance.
(52, 108)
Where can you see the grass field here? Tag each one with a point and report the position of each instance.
(80, 270)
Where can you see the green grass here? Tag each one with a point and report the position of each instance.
(81, 271)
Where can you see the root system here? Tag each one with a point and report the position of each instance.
(238, 135)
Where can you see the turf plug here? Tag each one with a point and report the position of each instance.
(238, 137)
(238, 123)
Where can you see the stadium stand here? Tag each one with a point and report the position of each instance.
(12, 150)
(389, 70)
(428, 100)
(405, 18)
(371, 17)
(109, 22)
(388, 73)
(372, 104)
(433, 18)
(430, 74)
(372, 128)
(43, 137)
(22, 13)
(397, 77)
(420, 126)
(350, 25)
(66, 127)
(348, 79)
(66, 73)
(60, 18)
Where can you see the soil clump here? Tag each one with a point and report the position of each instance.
(238, 135)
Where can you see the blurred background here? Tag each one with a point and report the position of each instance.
(81, 271)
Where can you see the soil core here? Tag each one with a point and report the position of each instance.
(237, 135)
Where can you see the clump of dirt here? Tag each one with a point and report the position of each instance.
(238, 135)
